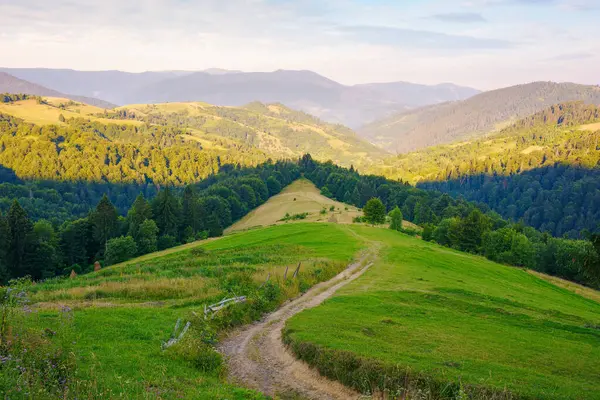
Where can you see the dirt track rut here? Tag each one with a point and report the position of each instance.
(258, 359)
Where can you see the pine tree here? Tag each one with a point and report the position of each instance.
(273, 185)
(189, 210)
(139, 212)
(4, 249)
(104, 220)
(167, 212)
(20, 228)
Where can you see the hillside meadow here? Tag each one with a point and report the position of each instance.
(113, 321)
(445, 324)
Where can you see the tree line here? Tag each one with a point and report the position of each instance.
(42, 249)
(544, 169)
(460, 224)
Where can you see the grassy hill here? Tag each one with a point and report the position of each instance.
(421, 309)
(484, 113)
(113, 321)
(439, 314)
(49, 112)
(301, 202)
(424, 316)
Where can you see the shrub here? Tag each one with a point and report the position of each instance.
(428, 230)
(120, 249)
(199, 354)
(166, 242)
(294, 217)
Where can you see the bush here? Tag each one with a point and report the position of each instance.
(427, 234)
(120, 249)
(199, 354)
(166, 242)
(294, 217)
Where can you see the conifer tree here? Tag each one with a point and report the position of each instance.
(167, 212)
(4, 248)
(104, 220)
(189, 209)
(20, 228)
(139, 212)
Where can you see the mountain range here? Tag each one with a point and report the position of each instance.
(12, 84)
(308, 91)
(478, 115)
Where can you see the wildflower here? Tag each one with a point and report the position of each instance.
(66, 309)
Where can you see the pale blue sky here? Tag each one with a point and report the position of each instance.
(481, 43)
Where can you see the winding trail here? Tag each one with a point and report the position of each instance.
(258, 359)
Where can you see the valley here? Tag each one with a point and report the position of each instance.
(299, 200)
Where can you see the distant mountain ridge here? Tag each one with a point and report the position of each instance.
(308, 91)
(480, 114)
(12, 84)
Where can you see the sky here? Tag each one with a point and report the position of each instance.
(484, 44)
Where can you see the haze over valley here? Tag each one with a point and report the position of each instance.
(301, 200)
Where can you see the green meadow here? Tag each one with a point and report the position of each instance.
(450, 325)
(114, 321)
(424, 321)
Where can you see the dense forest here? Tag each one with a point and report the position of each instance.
(116, 153)
(463, 225)
(272, 128)
(42, 249)
(544, 169)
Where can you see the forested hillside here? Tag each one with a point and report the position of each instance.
(272, 128)
(481, 114)
(175, 143)
(42, 249)
(543, 169)
(461, 224)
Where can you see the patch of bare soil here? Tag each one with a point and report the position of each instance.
(258, 359)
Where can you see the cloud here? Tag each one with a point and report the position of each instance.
(409, 38)
(459, 17)
(572, 56)
(349, 40)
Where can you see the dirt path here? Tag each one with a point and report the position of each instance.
(258, 359)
